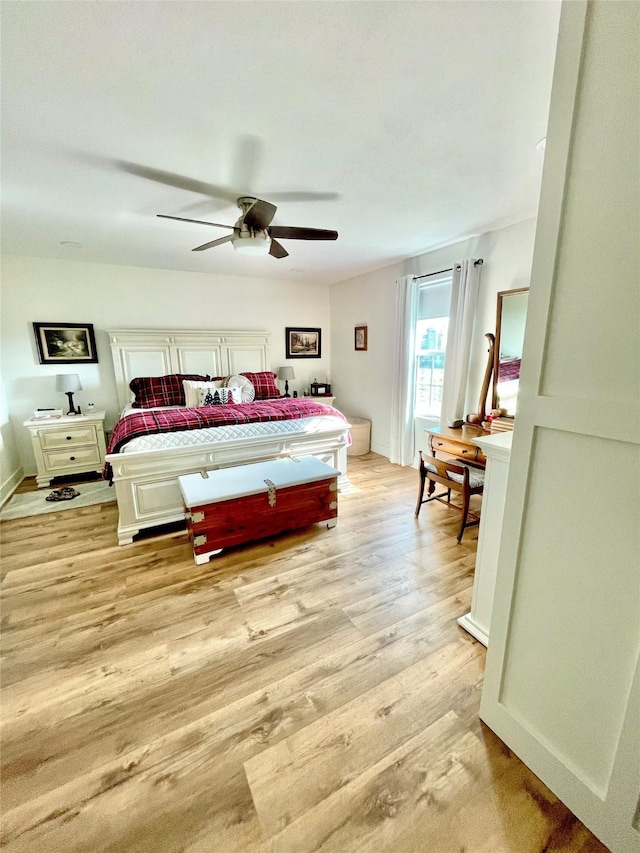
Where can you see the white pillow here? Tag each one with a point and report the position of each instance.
(247, 391)
(214, 396)
(192, 390)
(235, 394)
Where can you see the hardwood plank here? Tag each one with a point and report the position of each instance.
(280, 703)
(327, 754)
(375, 612)
(137, 687)
(516, 812)
(426, 774)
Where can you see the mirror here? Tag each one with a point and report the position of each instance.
(510, 322)
(478, 417)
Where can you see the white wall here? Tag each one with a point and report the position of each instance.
(362, 380)
(36, 289)
(11, 471)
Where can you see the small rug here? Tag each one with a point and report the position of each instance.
(35, 503)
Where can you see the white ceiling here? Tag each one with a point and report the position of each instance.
(418, 119)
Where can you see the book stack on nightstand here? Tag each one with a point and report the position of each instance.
(501, 425)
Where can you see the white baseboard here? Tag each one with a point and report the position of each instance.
(382, 449)
(10, 485)
(471, 627)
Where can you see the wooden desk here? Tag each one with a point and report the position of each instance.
(458, 442)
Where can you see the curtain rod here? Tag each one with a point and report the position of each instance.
(477, 263)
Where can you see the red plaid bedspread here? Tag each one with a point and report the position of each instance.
(509, 369)
(146, 422)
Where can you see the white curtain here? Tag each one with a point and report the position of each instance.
(402, 443)
(464, 297)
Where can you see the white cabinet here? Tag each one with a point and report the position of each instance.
(562, 679)
(497, 449)
(73, 444)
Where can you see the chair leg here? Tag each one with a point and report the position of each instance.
(423, 477)
(465, 510)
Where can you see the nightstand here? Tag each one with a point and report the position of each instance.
(72, 444)
(320, 399)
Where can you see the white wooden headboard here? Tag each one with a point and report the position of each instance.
(157, 352)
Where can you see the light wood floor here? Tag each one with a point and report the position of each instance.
(312, 692)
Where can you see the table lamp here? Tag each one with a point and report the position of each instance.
(286, 373)
(69, 383)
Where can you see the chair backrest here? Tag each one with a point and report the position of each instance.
(452, 475)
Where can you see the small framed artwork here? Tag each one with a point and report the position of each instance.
(303, 343)
(65, 343)
(361, 338)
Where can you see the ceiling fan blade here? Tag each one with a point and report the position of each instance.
(205, 207)
(302, 196)
(260, 215)
(285, 233)
(213, 243)
(277, 250)
(246, 164)
(171, 179)
(197, 221)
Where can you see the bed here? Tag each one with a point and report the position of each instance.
(507, 384)
(145, 468)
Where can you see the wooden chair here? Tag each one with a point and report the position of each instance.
(465, 479)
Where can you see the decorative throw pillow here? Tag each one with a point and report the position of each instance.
(213, 396)
(151, 391)
(264, 384)
(247, 391)
(235, 393)
(192, 389)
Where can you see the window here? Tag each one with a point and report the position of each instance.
(430, 346)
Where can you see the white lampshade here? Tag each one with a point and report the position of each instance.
(286, 372)
(257, 245)
(68, 382)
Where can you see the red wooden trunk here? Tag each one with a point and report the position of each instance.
(278, 503)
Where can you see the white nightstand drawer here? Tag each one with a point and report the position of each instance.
(84, 458)
(71, 436)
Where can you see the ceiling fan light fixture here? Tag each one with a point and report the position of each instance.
(257, 244)
(253, 233)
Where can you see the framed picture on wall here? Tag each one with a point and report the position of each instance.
(303, 342)
(65, 343)
(361, 338)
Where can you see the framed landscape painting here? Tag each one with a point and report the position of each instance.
(303, 342)
(65, 343)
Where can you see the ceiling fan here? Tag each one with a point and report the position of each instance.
(253, 233)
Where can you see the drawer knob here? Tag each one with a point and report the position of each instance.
(72, 458)
(465, 451)
(69, 438)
